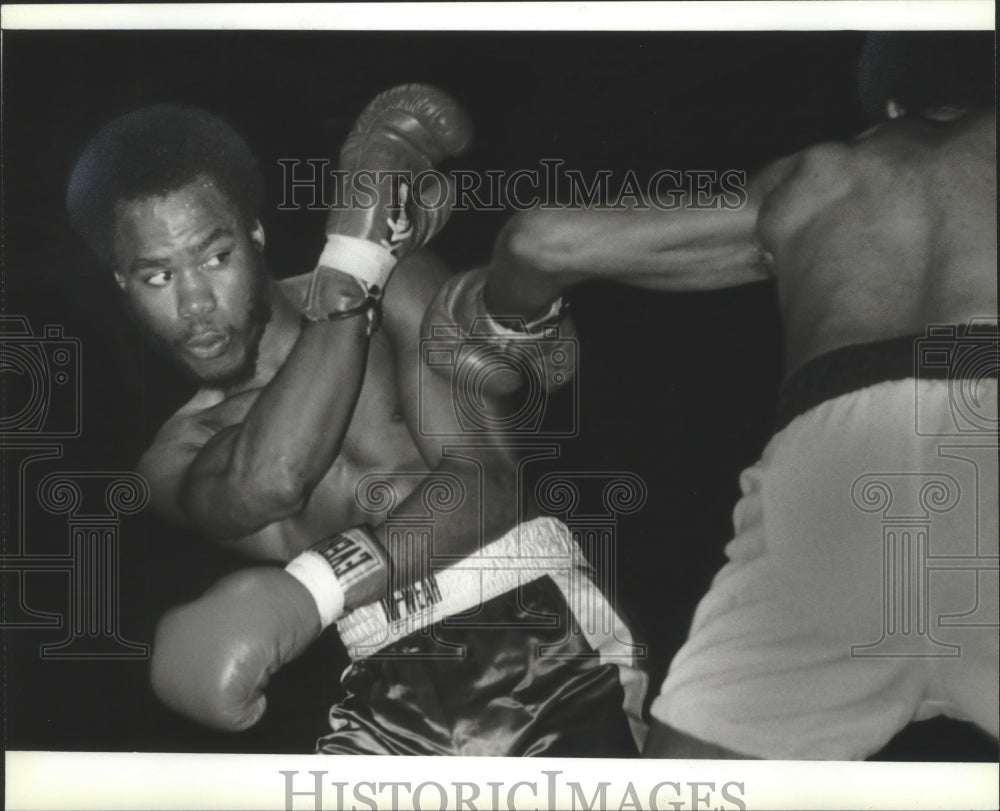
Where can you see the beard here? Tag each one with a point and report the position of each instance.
(258, 317)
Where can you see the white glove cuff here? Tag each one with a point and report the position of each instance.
(533, 327)
(367, 262)
(312, 571)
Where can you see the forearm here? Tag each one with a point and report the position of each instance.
(521, 281)
(471, 500)
(264, 469)
(541, 252)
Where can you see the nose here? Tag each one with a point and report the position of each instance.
(195, 297)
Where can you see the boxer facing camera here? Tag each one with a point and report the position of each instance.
(502, 376)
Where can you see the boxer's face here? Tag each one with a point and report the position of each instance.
(194, 280)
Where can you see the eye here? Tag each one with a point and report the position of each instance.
(160, 279)
(218, 260)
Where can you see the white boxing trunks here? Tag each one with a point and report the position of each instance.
(861, 589)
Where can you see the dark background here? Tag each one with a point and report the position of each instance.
(677, 389)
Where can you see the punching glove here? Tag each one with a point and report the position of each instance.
(213, 658)
(496, 355)
(383, 213)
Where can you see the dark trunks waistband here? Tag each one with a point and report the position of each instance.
(945, 352)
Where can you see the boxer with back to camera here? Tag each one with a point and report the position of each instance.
(810, 643)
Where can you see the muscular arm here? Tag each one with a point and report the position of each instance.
(542, 252)
(276, 444)
(194, 445)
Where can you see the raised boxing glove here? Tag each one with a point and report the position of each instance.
(383, 213)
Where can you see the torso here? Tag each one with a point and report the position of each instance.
(378, 441)
(883, 236)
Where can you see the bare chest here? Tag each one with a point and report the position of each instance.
(377, 447)
(379, 433)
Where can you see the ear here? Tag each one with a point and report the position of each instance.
(120, 280)
(893, 109)
(257, 235)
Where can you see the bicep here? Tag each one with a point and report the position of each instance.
(165, 467)
(693, 244)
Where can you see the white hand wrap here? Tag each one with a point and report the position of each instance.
(367, 262)
(312, 571)
(329, 568)
(515, 328)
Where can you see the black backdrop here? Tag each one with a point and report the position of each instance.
(677, 389)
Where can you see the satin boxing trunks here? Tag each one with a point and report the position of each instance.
(513, 651)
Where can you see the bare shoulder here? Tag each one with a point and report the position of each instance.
(772, 176)
(819, 154)
(822, 152)
(975, 137)
(972, 135)
(823, 171)
(793, 189)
